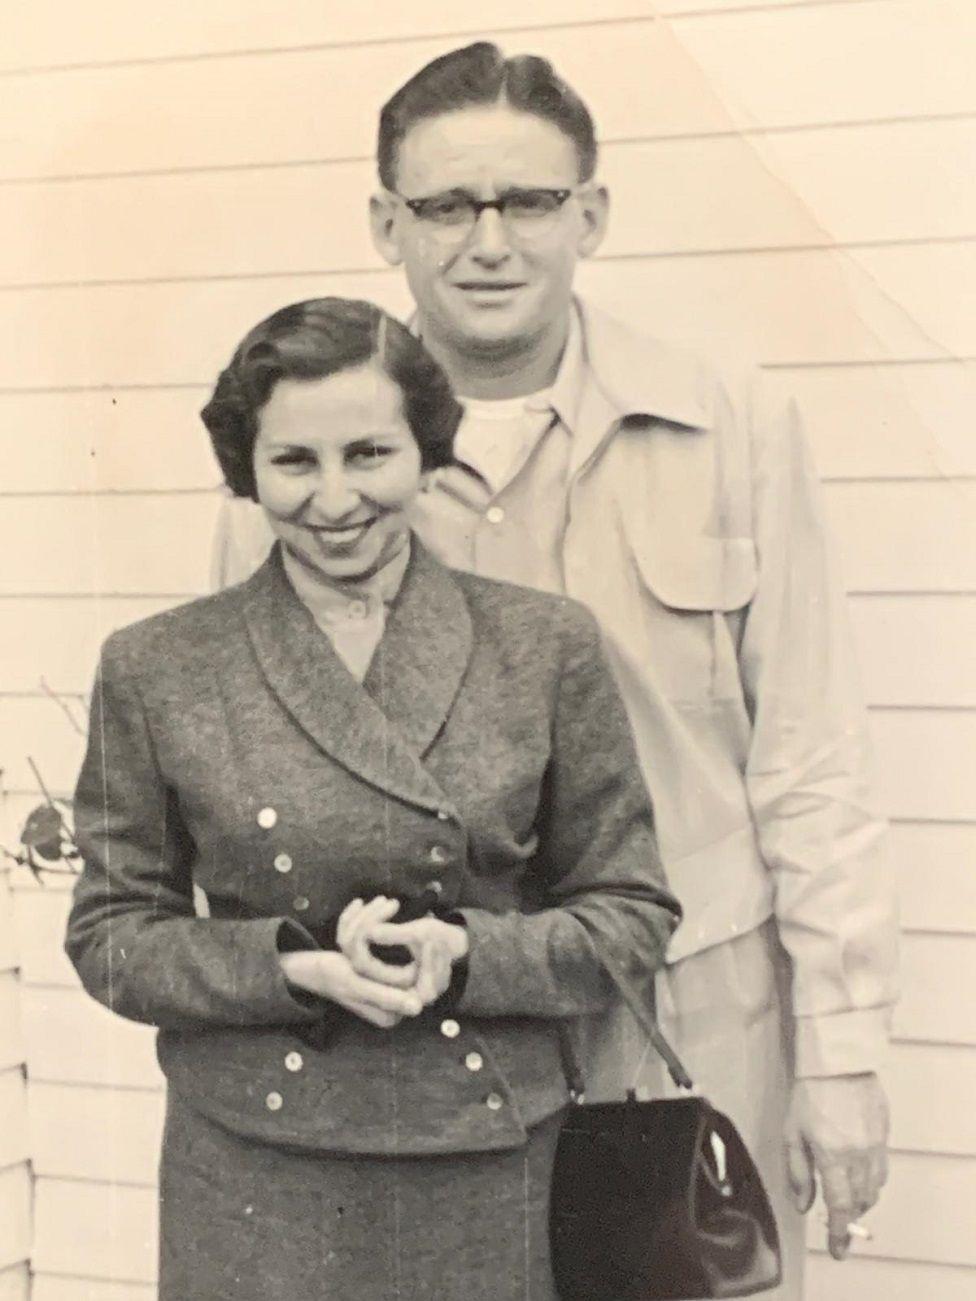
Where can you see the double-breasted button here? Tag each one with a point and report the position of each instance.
(274, 1102)
(474, 1061)
(438, 854)
(283, 862)
(443, 815)
(494, 1102)
(300, 904)
(294, 1061)
(267, 818)
(435, 888)
(494, 514)
(450, 1029)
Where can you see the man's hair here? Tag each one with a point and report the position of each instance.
(480, 74)
(312, 340)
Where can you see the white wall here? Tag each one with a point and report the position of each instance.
(792, 179)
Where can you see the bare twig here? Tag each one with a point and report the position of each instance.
(62, 704)
(40, 780)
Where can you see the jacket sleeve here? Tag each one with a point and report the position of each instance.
(132, 933)
(604, 905)
(808, 773)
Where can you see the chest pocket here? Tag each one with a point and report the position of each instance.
(695, 593)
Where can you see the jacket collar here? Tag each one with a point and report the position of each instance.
(379, 730)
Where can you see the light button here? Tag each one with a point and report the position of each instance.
(438, 854)
(494, 514)
(356, 609)
(293, 1062)
(274, 1102)
(474, 1061)
(450, 1029)
(443, 815)
(300, 904)
(494, 1102)
(267, 818)
(283, 863)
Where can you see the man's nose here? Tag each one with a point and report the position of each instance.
(489, 240)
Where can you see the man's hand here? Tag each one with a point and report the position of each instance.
(837, 1127)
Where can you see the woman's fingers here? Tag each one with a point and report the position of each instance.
(355, 933)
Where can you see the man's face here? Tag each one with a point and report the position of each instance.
(492, 288)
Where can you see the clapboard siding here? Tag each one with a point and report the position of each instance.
(926, 1213)
(47, 35)
(72, 1039)
(768, 68)
(914, 650)
(890, 422)
(11, 1028)
(889, 182)
(15, 1283)
(162, 333)
(821, 221)
(942, 741)
(96, 1134)
(95, 1230)
(14, 1142)
(15, 1219)
(893, 537)
(54, 1287)
(877, 1280)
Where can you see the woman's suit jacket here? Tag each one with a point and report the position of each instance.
(486, 759)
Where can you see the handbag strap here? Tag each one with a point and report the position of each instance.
(646, 1018)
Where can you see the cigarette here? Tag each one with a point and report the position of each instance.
(855, 1230)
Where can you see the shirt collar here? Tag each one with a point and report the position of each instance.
(336, 601)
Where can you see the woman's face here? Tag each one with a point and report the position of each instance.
(336, 468)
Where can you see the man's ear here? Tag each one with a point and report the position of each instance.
(382, 221)
(595, 206)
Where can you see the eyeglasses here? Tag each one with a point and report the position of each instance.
(525, 214)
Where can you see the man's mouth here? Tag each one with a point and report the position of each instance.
(488, 286)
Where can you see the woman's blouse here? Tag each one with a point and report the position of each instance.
(352, 615)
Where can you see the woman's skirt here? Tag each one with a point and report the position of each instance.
(242, 1221)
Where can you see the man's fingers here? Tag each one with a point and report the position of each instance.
(799, 1164)
(385, 1020)
(841, 1207)
(366, 963)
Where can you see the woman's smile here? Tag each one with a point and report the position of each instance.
(337, 469)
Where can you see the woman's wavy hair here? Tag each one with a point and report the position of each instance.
(308, 341)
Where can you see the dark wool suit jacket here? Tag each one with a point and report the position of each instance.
(486, 759)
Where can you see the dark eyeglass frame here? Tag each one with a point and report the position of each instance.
(478, 206)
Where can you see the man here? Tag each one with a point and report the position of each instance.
(681, 507)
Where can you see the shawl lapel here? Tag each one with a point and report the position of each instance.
(379, 730)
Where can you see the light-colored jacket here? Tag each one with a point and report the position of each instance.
(485, 761)
(694, 532)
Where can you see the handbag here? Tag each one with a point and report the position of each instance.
(659, 1200)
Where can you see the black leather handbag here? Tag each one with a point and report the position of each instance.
(656, 1201)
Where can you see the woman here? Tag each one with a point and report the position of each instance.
(411, 801)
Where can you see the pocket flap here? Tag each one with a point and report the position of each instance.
(700, 573)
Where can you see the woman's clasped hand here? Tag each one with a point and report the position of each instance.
(379, 992)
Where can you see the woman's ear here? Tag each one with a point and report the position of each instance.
(594, 203)
(382, 221)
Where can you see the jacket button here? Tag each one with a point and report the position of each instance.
(438, 854)
(474, 1061)
(443, 815)
(293, 1062)
(267, 818)
(435, 888)
(274, 1102)
(283, 863)
(450, 1029)
(494, 514)
(494, 1102)
(300, 904)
